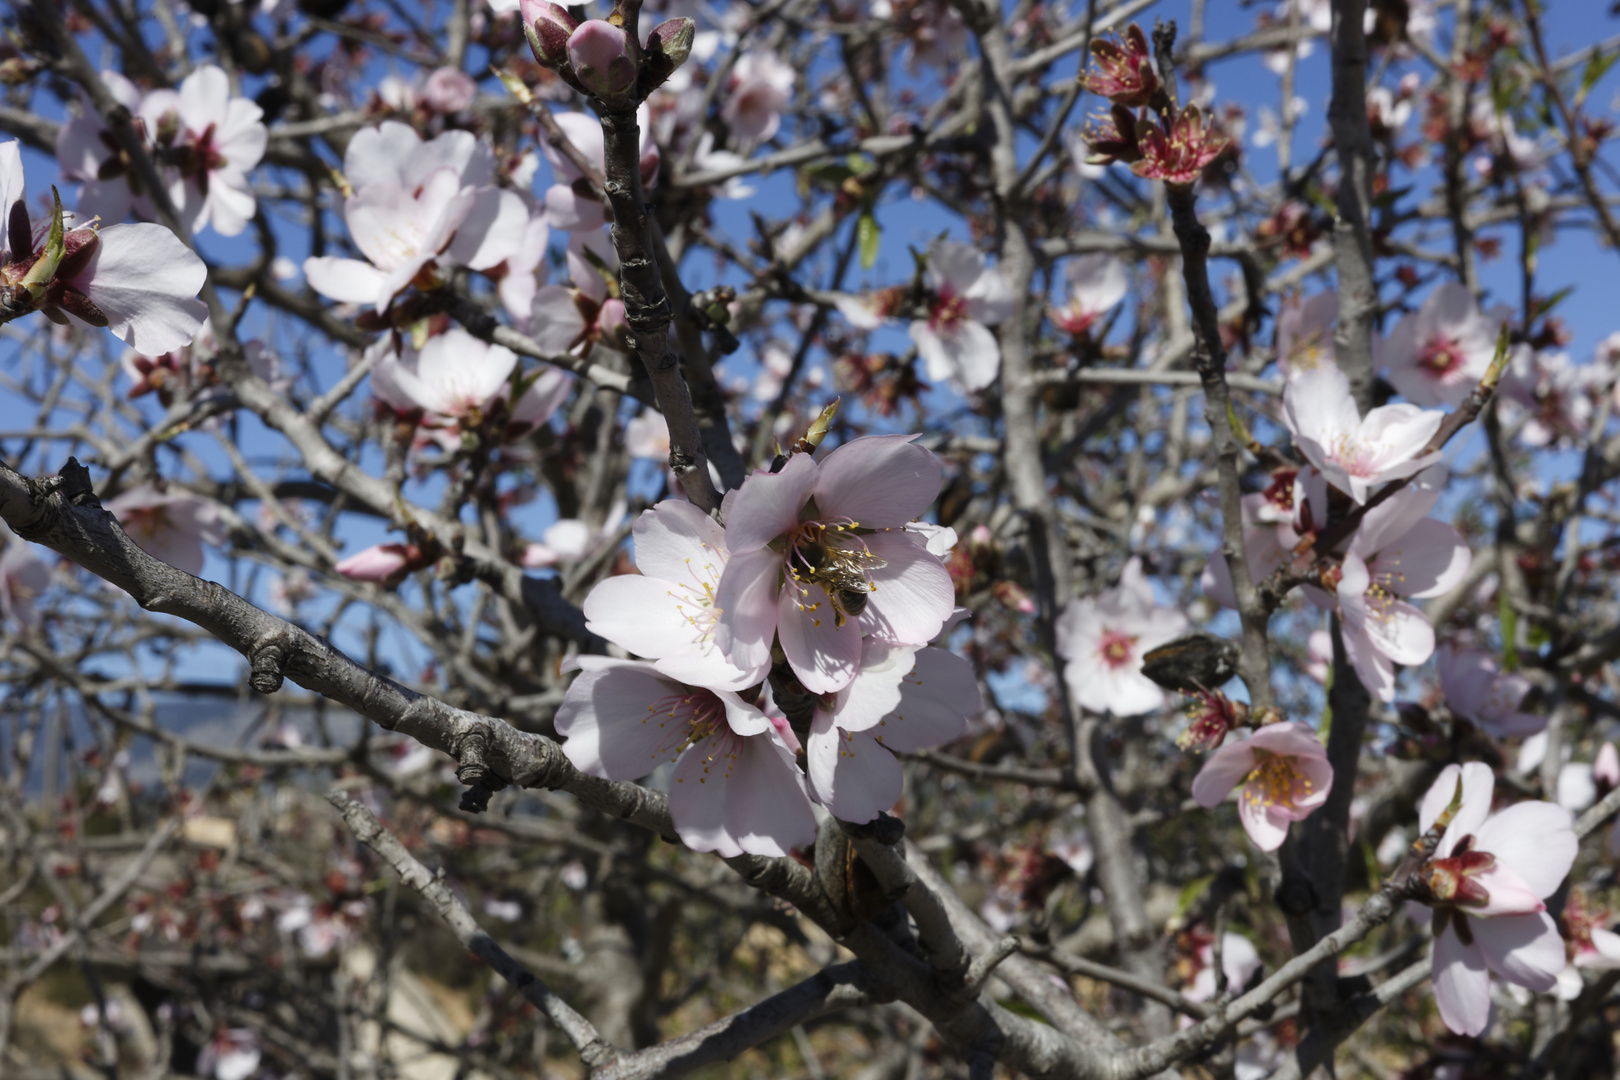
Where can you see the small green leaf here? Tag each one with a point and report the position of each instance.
(1509, 619)
(1189, 895)
(867, 234)
(1597, 66)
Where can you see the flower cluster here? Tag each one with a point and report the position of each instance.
(598, 58)
(820, 573)
(1175, 147)
(203, 139)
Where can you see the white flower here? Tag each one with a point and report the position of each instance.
(1355, 453)
(954, 341)
(1103, 639)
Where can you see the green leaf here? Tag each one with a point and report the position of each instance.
(867, 234)
(1509, 618)
(1189, 895)
(1597, 65)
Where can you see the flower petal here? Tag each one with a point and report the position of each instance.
(1523, 949)
(913, 596)
(1462, 983)
(851, 773)
(768, 505)
(1534, 839)
(1224, 770)
(880, 482)
(824, 655)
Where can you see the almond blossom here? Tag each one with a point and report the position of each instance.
(1555, 393)
(383, 564)
(1305, 332)
(209, 140)
(954, 340)
(1486, 883)
(414, 201)
(1124, 72)
(139, 281)
(1398, 551)
(820, 557)
(1355, 453)
(569, 202)
(88, 153)
(24, 576)
(1285, 775)
(1097, 282)
(902, 699)
(667, 612)
(1180, 155)
(1476, 690)
(1437, 354)
(757, 91)
(1588, 943)
(735, 788)
(170, 527)
(1103, 639)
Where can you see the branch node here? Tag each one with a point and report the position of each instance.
(269, 666)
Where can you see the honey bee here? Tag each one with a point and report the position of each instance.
(843, 573)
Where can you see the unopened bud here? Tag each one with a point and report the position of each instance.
(599, 53)
(668, 46)
(547, 26)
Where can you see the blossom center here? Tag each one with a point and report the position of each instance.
(1276, 780)
(831, 555)
(949, 310)
(1440, 357)
(1453, 880)
(686, 719)
(1116, 649)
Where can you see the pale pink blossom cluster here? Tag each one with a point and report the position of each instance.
(1437, 354)
(204, 140)
(820, 564)
(1396, 553)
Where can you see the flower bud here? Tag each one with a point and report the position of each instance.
(547, 26)
(599, 53)
(668, 46)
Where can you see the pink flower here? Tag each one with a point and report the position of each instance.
(170, 527)
(87, 153)
(1396, 552)
(820, 557)
(414, 201)
(1239, 961)
(667, 612)
(1124, 73)
(1486, 882)
(567, 206)
(1588, 943)
(647, 436)
(599, 53)
(735, 789)
(1437, 354)
(1557, 394)
(455, 380)
(1319, 655)
(1276, 525)
(1606, 768)
(901, 699)
(1103, 638)
(1285, 775)
(1355, 454)
(139, 281)
(954, 341)
(209, 140)
(400, 231)
(382, 564)
(23, 577)
(1477, 691)
(759, 87)
(1182, 156)
(1096, 283)
(1305, 332)
(449, 90)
